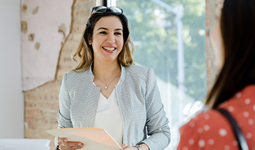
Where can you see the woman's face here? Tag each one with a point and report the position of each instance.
(107, 40)
(216, 39)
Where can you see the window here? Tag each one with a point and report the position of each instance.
(169, 36)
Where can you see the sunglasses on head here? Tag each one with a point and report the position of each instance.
(103, 9)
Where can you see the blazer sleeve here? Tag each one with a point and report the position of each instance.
(64, 119)
(156, 121)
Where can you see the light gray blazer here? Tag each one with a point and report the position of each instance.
(142, 112)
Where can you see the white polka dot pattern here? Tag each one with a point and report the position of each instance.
(222, 132)
(210, 141)
(210, 130)
(246, 114)
(200, 130)
(185, 148)
(249, 135)
(250, 122)
(231, 109)
(206, 116)
(235, 143)
(192, 124)
(226, 147)
(201, 143)
(247, 101)
(191, 141)
(238, 95)
(224, 104)
(206, 127)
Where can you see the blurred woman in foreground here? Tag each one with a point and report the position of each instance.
(233, 42)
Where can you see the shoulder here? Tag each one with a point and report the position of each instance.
(240, 103)
(74, 75)
(72, 78)
(140, 71)
(207, 129)
(137, 69)
(201, 121)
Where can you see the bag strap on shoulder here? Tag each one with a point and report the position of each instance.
(242, 144)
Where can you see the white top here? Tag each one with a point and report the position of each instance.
(108, 116)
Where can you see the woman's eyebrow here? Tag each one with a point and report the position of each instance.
(119, 29)
(102, 28)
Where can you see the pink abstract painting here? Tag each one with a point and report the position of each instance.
(44, 24)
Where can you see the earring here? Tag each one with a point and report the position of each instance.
(90, 43)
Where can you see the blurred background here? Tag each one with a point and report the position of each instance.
(170, 36)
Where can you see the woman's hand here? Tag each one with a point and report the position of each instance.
(65, 145)
(127, 147)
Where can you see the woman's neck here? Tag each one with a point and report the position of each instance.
(106, 70)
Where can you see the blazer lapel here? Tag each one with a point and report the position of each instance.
(122, 95)
(86, 101)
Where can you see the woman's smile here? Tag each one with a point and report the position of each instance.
(109, 49)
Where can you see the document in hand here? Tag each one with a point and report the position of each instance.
(24, 144)
(92, 138)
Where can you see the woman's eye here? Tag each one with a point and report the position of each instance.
(103, 32)
(117, 33)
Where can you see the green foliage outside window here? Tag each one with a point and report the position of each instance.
(153, 29)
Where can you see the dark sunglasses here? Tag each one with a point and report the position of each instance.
(103, 9)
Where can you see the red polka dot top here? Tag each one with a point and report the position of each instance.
(210, 130)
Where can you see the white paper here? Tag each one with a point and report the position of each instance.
(24, 144)
(92, 138)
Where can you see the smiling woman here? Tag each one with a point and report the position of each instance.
(106, 90)
(84, 55)
(107, 37)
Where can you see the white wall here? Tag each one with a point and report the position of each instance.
(11, 95)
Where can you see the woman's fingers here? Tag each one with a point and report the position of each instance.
(67, 145)
(127, 147)
(124, 146)
(62, 139)
(72, 144)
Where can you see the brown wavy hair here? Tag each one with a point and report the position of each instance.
(84, 55)
(237, 24)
